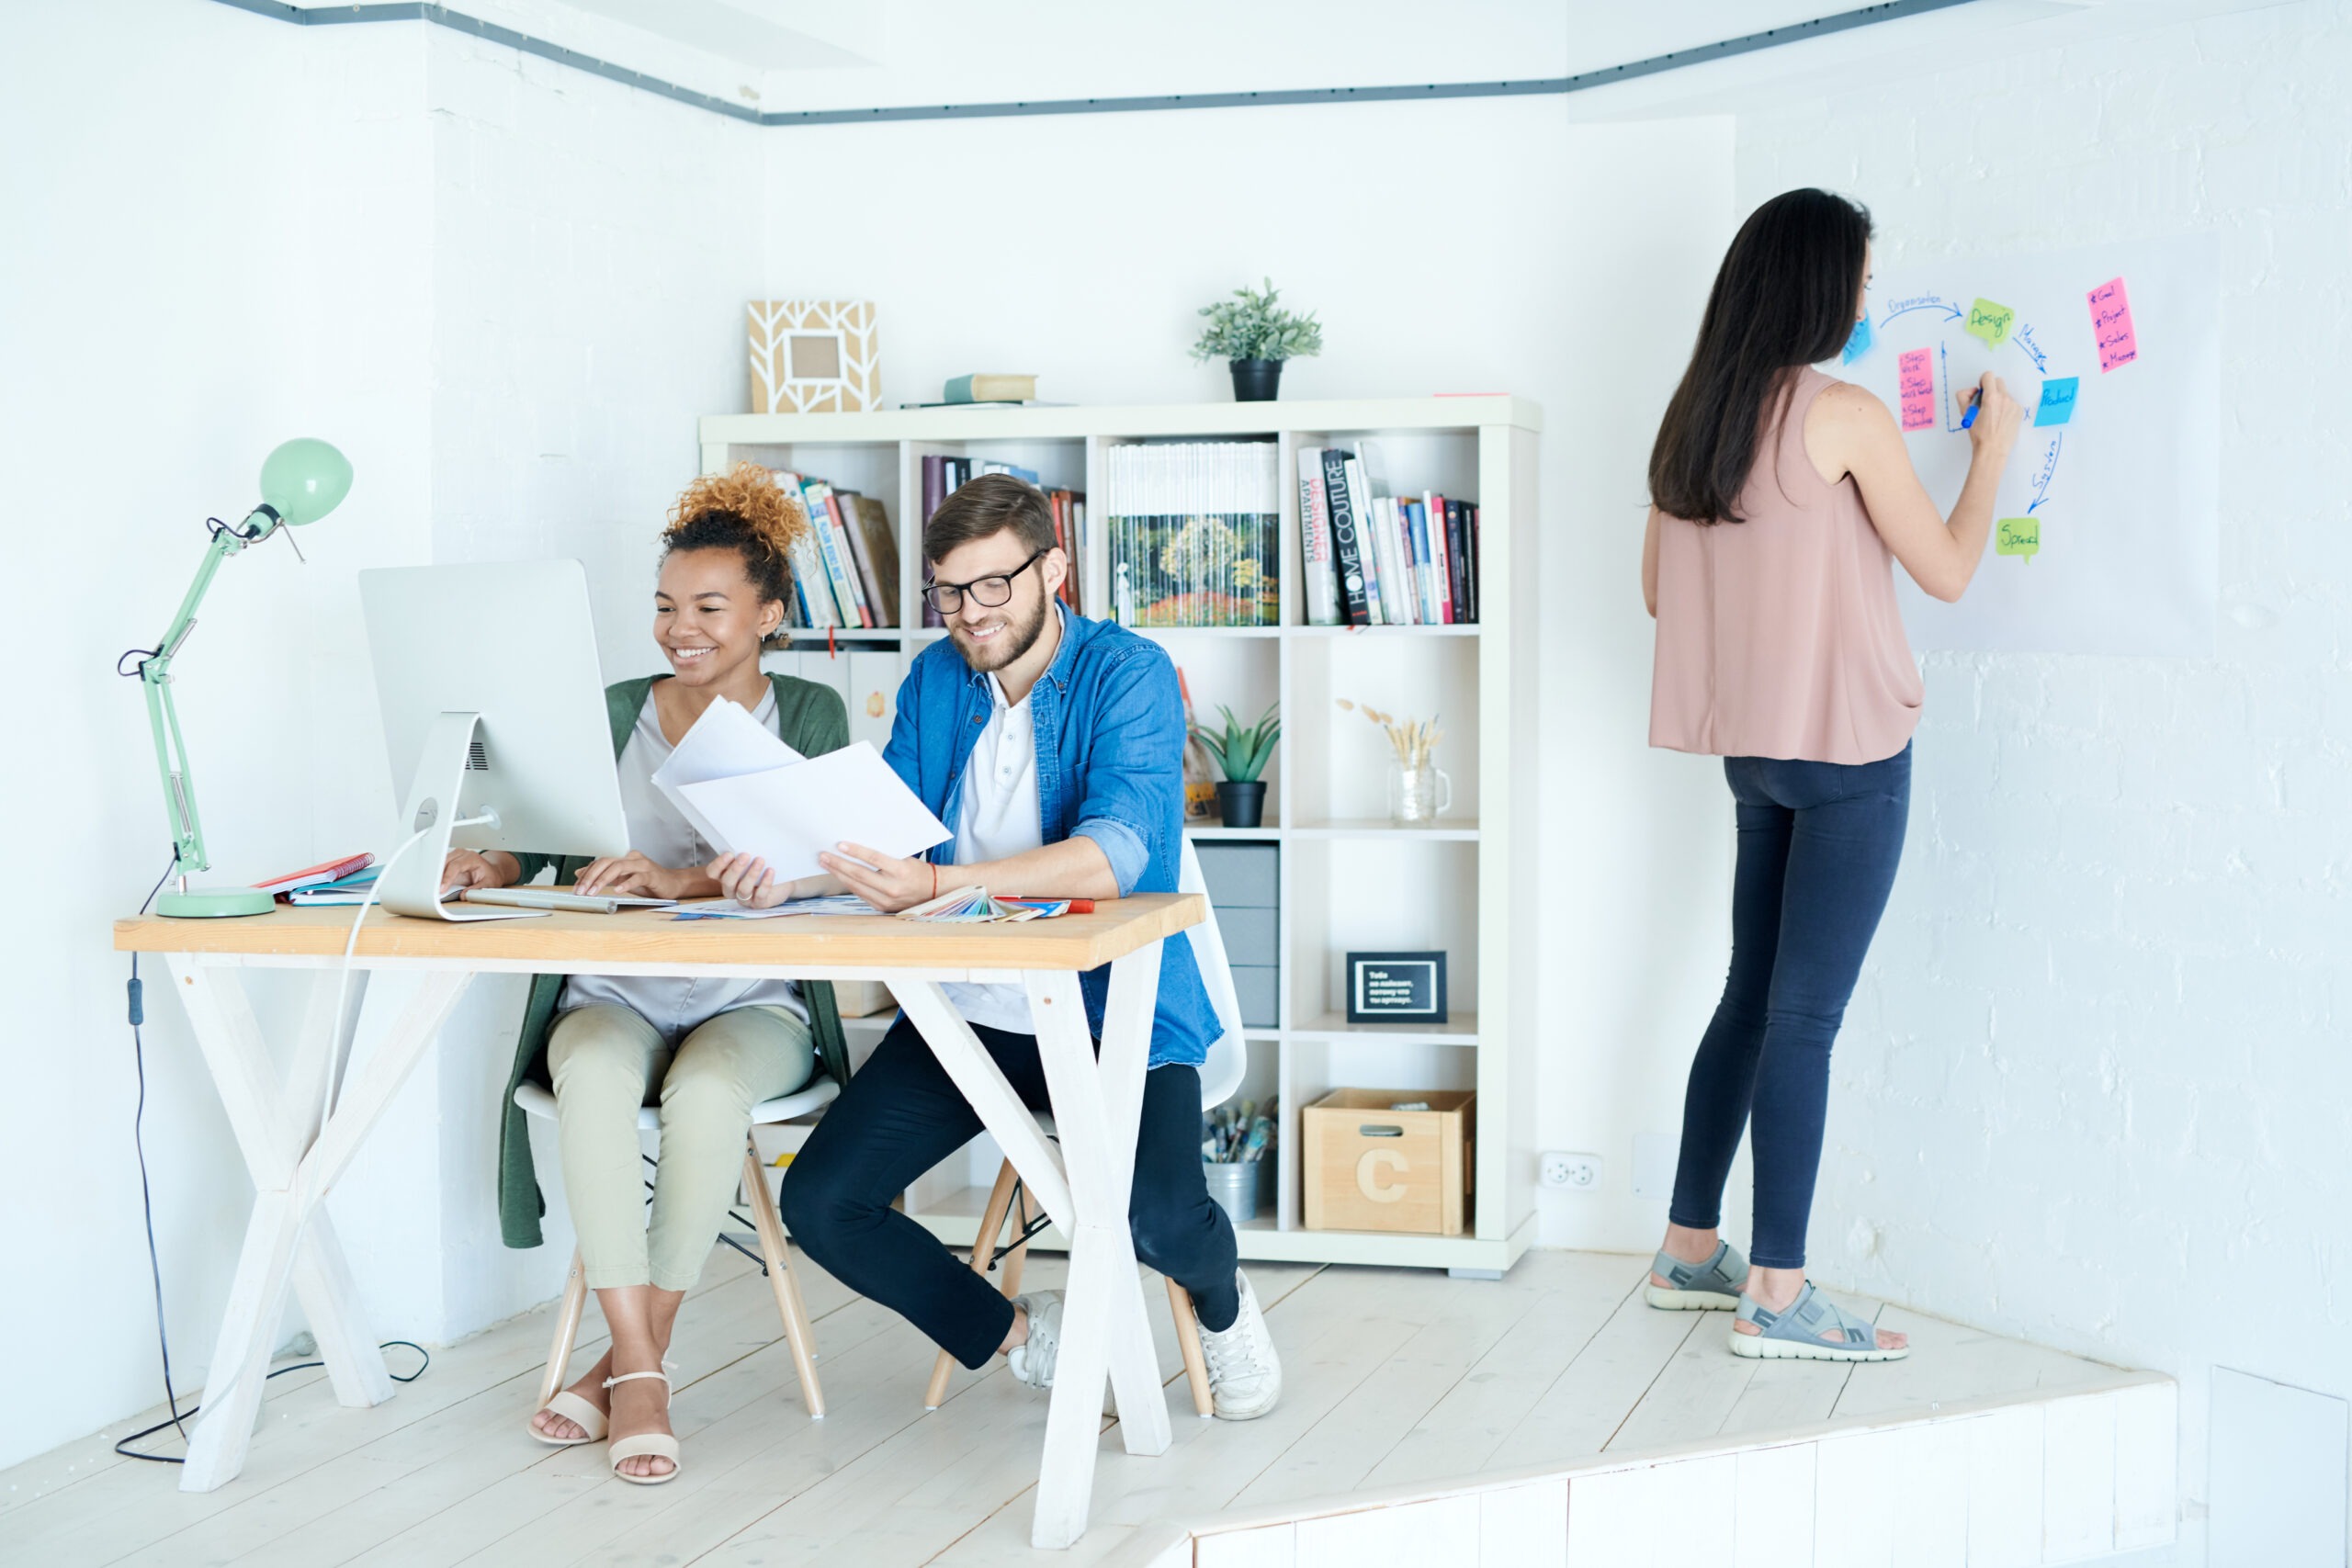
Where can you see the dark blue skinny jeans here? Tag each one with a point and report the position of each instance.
(1819, 845)
(902, 1115)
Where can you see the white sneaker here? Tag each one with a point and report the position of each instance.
(1245, 1375)
(1032, 1360)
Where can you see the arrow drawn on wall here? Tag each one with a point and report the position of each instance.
(1923, 302)
(2024, 340)
(2049, 471)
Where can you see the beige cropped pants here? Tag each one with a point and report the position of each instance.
(603, 1060)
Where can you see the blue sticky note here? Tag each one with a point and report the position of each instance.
(2057, 400)
(1859, 344)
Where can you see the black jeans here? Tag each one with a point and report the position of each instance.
(901, 1115)
(1818, 846)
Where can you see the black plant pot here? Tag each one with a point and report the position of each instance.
(1242, 805)
(1256, 380)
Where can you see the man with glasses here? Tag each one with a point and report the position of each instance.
(1053, 745)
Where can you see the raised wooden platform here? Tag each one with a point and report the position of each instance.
(1547, 1418)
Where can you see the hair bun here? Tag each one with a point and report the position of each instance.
(748, 494)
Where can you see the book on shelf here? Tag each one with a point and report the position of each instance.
(1349, 538)
(987, 388)
(846, 567)
(1318, 561)
(1193, 529)
(943, 475)
(1373, 558)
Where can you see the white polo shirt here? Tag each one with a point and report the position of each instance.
(997, 816)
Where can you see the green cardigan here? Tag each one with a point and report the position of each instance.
(812, 721)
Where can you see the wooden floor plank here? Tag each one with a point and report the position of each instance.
(1949, 1362)
(1392, 1377)
(1583, 1408)
(1460, 1327)
(1461, 1433)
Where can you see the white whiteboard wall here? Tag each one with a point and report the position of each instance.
(2115, 510)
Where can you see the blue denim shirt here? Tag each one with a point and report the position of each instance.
(1110, 725)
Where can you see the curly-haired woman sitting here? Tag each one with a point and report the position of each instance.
(712, 1049)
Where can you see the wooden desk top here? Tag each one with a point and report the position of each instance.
(577, 942)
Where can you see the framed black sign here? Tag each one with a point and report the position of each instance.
(1395, 987)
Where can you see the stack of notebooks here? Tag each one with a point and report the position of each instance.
(1376, 559)
(846, 574)
(1195, 533)
(943, 476)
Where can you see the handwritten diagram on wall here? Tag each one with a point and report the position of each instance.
(2106, 536)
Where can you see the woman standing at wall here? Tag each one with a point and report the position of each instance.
(1780, 500)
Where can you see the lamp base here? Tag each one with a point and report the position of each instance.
(213, 903)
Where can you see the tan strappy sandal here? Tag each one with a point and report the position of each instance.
(645, 1445)
(574, 1409)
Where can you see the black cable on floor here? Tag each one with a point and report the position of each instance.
(147, 1206)
(189, 1413)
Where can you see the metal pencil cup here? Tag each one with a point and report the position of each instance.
(1234, 1186)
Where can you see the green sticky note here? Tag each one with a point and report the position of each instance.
(2018, 536)
(1990, 321)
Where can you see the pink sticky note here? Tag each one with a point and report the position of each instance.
(2112, 324)
(1916, 373)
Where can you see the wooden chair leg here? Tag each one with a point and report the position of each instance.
(984, 1241)
(566, 1328)
(788, 1304)
(1015, 1259)
(1188, 1340)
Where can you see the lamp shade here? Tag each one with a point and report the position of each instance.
(304, 479)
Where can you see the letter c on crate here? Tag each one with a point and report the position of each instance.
(1368, 1175)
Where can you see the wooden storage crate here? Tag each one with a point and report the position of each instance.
(1368, 1167)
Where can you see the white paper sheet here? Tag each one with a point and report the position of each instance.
(786, 816)
(725, 742)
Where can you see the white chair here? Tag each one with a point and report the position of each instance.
(1221, 1075)
(774, 1259)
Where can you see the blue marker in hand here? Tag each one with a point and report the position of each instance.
(1974, 400)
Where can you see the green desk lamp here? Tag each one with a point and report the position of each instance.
(300, 482)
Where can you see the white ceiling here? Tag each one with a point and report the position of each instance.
(837, 54)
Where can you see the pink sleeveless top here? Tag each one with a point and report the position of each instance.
(1779, 636)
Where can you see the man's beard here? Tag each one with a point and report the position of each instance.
(1006, 646)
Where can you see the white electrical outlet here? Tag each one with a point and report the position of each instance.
(1578, 1173)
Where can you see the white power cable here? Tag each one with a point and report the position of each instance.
(336, 1047)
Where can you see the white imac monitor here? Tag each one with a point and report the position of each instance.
(494, 719)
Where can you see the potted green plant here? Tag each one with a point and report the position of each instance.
(1241, 754)
(1254, 336)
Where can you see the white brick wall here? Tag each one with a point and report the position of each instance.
(2094, 1089)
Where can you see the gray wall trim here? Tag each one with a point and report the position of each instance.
(1699, 55)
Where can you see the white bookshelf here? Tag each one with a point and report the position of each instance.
(1348, 879)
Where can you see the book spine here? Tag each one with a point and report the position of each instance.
(1320, 571)
(1347, 548)
(869, 582)
(1385, 567)
(934, 490)
(958, 391)
(808, 566)
(1471, 555)
(1440, 563)
(1458, 561)
(820, 516)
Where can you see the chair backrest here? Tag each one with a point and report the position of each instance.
(1228, 1057)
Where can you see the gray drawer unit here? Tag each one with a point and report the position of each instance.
(1259, 990)
(1241, 876)
(1245, 888)
(1251, 937)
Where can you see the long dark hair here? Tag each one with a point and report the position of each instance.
(1783, 297)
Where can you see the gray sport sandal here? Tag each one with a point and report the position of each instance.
(1711, 1286)
(1803, 1332)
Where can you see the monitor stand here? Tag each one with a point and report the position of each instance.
(413, 887)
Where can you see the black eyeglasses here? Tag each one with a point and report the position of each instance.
(990, 590)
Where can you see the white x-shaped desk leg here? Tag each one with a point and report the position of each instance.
(294, 1159)
(1097, 1100)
